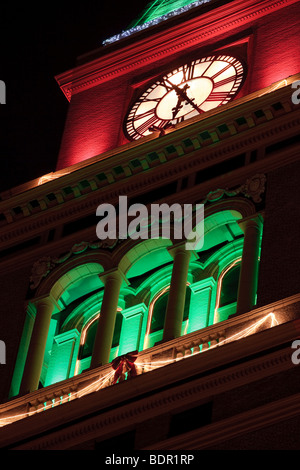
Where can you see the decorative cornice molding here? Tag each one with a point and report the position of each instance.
(190, 149)
(229, 365)
(221, 135)
(253, 188)
(226, 430)
(166, 401)
(149, 50)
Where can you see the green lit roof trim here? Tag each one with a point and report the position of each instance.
(161, 8)
(156, 12)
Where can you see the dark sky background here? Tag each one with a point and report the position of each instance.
(39, 41)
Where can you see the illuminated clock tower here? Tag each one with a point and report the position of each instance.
(141, 344)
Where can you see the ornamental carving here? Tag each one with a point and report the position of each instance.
(40, 269)
(43, 266)
(253, 189)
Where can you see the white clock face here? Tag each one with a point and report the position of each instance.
(188, 91)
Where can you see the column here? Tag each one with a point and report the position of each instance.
(36, 351)
(106, 324)
(176, 299)
(252, 228)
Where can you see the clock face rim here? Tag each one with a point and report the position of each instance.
(240, 75)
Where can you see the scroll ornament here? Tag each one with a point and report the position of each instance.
(253, 188)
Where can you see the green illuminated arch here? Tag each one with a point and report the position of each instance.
(77, 282)
(147, 264)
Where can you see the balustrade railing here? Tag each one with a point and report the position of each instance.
(150, 359)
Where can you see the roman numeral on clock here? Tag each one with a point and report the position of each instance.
(188, 72)
(177, 120)
(150, 112)
(217, 96)
(221, 71)
(167, 84)
(148, 100)
(225, 81)
(153, 120)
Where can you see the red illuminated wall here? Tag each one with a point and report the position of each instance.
(93, 122)
(97, 109)
(275, 54)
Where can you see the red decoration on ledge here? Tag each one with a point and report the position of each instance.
(123, 364)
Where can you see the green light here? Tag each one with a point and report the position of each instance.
(200, 304)
(157, 11)
(160, 8)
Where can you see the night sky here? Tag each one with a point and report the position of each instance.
(39, 41)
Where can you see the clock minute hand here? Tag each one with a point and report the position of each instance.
(177, 108)
(181, 93)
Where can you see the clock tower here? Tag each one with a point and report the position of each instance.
(217, 44)
(138, 343)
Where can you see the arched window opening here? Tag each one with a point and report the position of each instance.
(78, 293)
(157, 314)
(76, 283)
(211, 297)
(87, 340)
(230, 285)
(227, 291)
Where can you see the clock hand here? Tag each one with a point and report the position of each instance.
(183, 96)
(180, 99)
(177, 108)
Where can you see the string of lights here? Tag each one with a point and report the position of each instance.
(143, 367)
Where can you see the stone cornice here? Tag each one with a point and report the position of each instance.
(202, 143)
(240, 424)
(220, 370)
(234, 427)
(148, 50)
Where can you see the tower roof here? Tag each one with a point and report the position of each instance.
(160, 8)
(155, 12)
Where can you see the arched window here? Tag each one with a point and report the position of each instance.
(211, 297)
(78, 293)
(227, 291)
(230, 284)
(87, 340)
(157, 314)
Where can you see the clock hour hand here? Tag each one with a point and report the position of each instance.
(177, 108)
(180, 98)
(182, 95)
